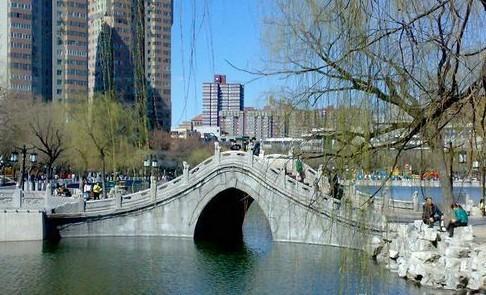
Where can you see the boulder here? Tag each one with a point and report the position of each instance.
(476, 281)
(452, 264)
(464, 233)
(418, 225)
(393, 254)
(456, 280)
(429, 234)
(425, 256)
(457, 252)
(420, 245)
(402, 267)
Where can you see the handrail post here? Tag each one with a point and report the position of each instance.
(185, 172)
(217, 152)
(283, 175)
(153, 188)
(415, 202)
(118, 199)
(250, 158)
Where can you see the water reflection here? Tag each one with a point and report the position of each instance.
(136, 265)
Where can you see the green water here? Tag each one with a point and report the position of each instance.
(156, 265)
(179, 266)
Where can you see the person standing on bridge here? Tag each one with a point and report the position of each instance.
(299, 168)
(97, 189)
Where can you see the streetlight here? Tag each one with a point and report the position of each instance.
(2, 163)
(155, 164)
(146, 164)
(14, 159)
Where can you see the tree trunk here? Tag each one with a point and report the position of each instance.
(442, 161)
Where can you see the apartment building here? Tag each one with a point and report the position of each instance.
(220, 96)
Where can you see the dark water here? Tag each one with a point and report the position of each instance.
(406, 192)
(154, 265)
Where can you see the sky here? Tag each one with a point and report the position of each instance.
(208, 35)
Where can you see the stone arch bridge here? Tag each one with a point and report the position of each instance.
(209, 202)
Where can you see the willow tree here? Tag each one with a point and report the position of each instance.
(108, 129)
(413, 64)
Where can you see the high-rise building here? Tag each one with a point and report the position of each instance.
(43, 48)
(232, 123)
(70, 49)
(114, 58)
(16, 34)
(221, 96)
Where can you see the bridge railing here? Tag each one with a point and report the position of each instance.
(32, 200)
(260, 168)
(384, 201)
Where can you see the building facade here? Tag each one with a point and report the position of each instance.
(114, 59)
(219, 96)
(43, 51)
(70, 50)
(16, 46)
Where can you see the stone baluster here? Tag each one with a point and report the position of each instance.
(217, 152)
(250, 158)
(283, 175)
(153, 188)
(185, 172)
(118, 198)
(385, 199)
(415, 202)
(17, 198)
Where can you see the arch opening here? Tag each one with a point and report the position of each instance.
(221, 221)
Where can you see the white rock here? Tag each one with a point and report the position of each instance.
(375, 240)
(429, 234)
(457, 252)
(402, 268)
(425, 256)
(393, 254)
(418, 224)
(452, 264)
(420, 245)
(464, 233)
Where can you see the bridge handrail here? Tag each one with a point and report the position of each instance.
(259, 168)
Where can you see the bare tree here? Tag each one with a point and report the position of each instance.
(49, 139)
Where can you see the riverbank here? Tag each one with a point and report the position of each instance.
(430, 258)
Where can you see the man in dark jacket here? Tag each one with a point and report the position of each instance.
(431, 213)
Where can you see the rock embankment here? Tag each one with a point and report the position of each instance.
(429, 257)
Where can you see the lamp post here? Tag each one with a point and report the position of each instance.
(2, 163)
(14, 159)
(155, 164)
(146, 165)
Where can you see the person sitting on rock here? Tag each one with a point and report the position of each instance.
(431, 213)
(460, 219)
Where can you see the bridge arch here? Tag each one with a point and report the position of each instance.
(209, 221)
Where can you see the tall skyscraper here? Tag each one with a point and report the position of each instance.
(43, 48)
(70, 49)
(16, 52)
(221, 96)
(114, 53)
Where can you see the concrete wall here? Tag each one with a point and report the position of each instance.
(21, 225)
